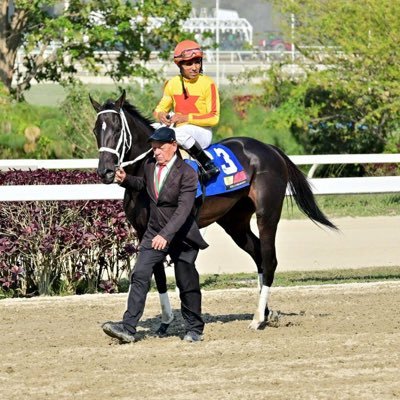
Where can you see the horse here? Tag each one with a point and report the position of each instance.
(122, 134)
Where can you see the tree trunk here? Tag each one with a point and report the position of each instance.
(11, 27)
(7, 61)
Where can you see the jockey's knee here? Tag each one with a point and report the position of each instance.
(185, 141)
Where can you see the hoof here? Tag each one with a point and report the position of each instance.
(254, 325)
(273, 316)
(162, 329)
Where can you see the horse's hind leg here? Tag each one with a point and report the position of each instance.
(268, 211)
(236, 224)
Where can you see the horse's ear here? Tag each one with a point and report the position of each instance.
(95, 104)
(120, 102)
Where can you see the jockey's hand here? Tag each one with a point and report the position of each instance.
(120, 175)
(179, 118)
(163, 117)
(159, 243)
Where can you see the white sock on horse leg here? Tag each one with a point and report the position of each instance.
(166, 311)
(262, 302)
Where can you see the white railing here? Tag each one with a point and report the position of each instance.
(382, 184)
(329, 159)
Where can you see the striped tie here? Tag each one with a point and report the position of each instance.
(157, 180)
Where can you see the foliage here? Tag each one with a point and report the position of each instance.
(62, 247)
(110, 37)
(80, 119)
(345, 97)
(243, 115)
(28, 131)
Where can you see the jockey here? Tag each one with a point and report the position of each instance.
(194, 101)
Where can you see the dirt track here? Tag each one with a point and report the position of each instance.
(339, 342)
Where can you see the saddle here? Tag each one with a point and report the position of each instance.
(232, 175)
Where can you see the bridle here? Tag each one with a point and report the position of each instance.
(124, 141)
(125, 137)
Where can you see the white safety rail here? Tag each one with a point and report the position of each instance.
(32, 164)
(382, 184)
(329, 159)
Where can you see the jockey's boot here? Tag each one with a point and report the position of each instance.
(209, 168)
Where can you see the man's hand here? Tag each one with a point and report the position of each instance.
(120, 175)
(163, 117)
(179, 118)
(159, 243)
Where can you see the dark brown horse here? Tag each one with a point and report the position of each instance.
(122, 138)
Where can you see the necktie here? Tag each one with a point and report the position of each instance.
(157, 180)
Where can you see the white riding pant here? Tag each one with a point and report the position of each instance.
(186, 135)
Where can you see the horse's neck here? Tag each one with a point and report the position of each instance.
(136, 168)
(140, 133)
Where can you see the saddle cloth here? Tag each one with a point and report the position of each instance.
(232, 176)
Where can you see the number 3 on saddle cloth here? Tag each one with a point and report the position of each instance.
(232, 176)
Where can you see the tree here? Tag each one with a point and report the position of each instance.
(349, 94)
(46, 40)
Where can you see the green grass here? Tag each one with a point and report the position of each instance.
(301, 278)
(357, 205)
(293, 278)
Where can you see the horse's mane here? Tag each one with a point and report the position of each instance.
(132, 110)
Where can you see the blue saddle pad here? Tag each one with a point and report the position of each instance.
(232, 176)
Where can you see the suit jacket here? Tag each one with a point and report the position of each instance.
(172, 213)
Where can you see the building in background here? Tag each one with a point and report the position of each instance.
(235, 33)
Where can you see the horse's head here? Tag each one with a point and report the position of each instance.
(112, 136)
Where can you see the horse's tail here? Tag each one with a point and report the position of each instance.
(302, 193)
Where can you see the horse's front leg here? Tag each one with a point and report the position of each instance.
(267, 232)
(261, 313)
(167, 314)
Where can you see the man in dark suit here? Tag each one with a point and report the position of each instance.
(171, 185)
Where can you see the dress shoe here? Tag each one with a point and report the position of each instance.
(192, 336)
(118, 331)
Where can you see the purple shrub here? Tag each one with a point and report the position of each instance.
(73, 246)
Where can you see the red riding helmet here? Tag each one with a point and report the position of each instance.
(187, 50)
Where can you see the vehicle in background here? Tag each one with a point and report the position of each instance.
(274, 42)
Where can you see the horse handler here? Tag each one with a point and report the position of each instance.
(171, 185)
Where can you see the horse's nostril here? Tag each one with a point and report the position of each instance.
(105, 172)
